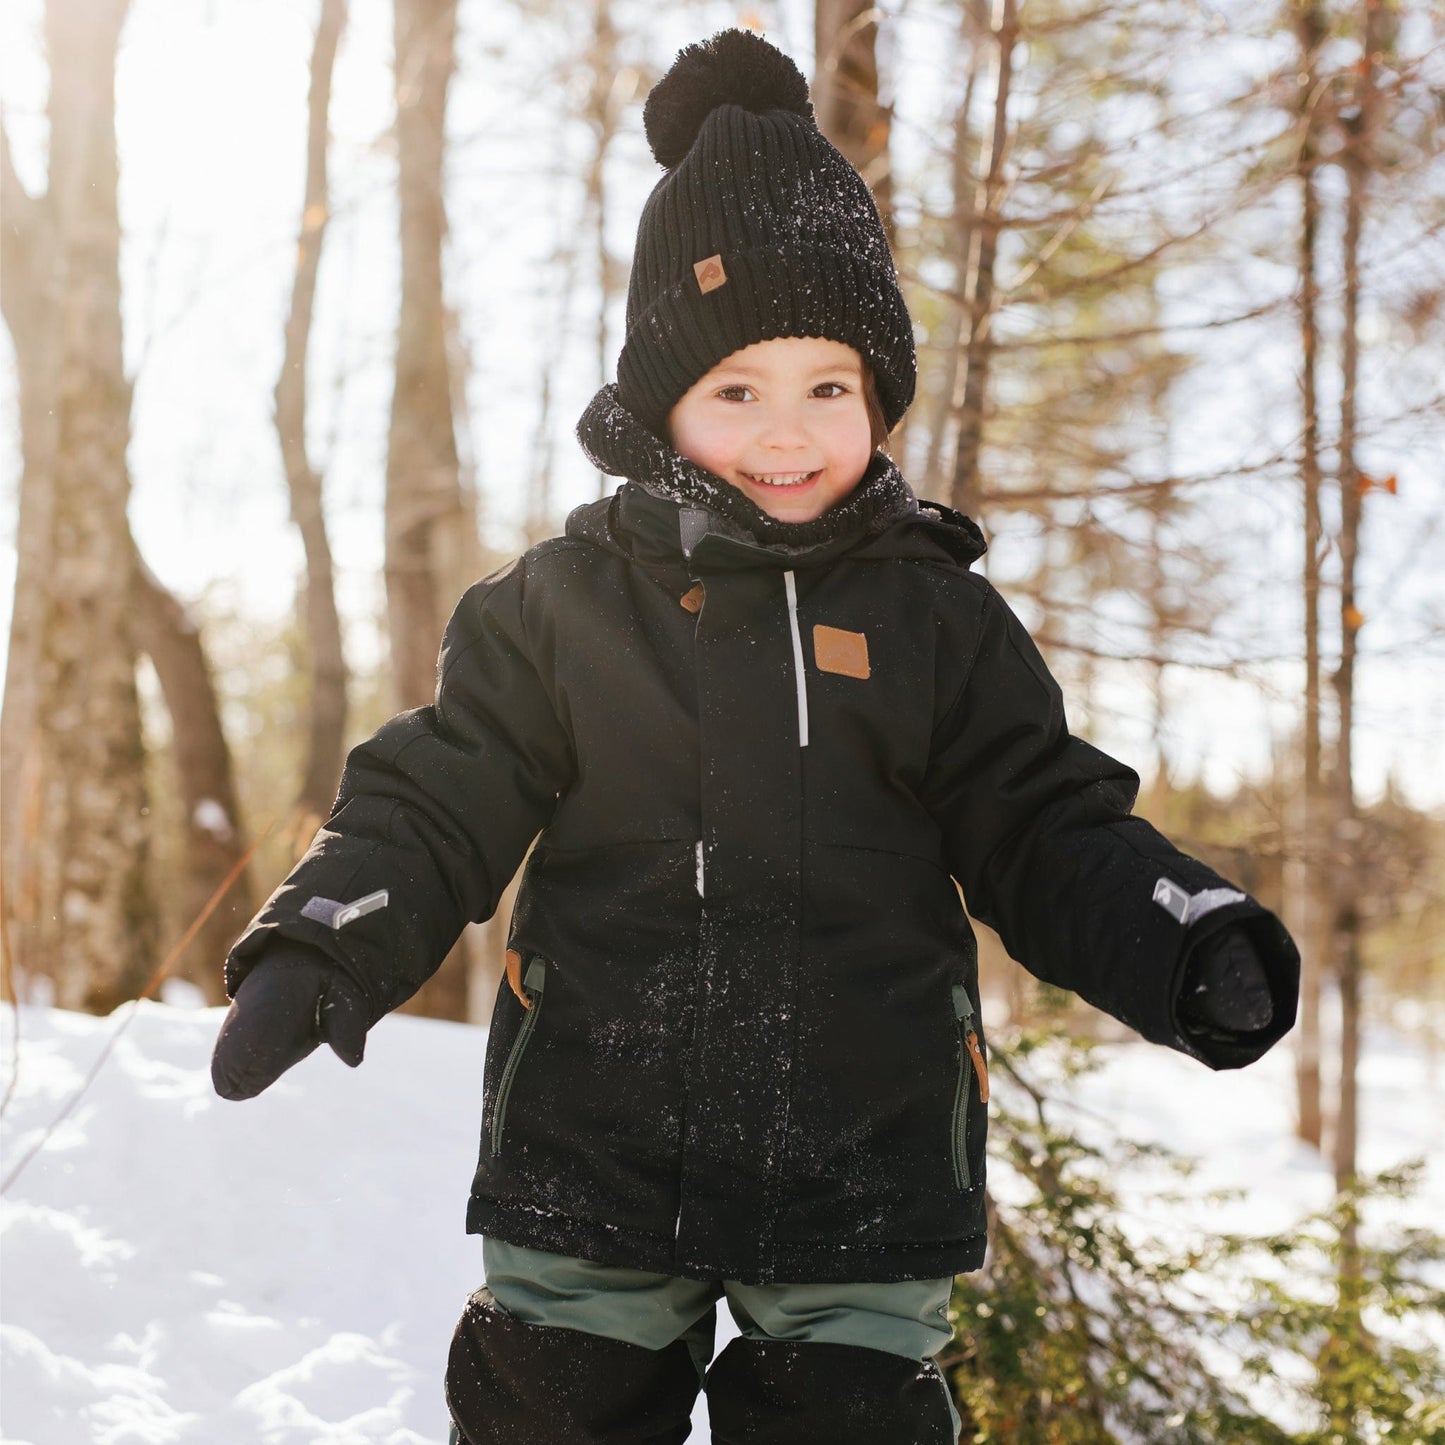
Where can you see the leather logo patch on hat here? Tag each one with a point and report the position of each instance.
(710, 274)
(836, 650)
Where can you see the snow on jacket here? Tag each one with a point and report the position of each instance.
(758, 754)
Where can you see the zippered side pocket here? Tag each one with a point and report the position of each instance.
(532, 986)
(970, 1065)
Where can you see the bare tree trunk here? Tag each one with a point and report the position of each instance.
(327, 711)
(1357, 160)
(1160, 634)
(845, 94)
(432, 548)
(1303, 885)
(605, 103)
(30, 299)
(965, 183)
(544, 451)
(84, 913)
(431, 543)
(966, 489)
(213, 841)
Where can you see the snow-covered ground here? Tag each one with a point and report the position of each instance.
(179, 1270)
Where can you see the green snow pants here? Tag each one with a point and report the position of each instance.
(659, 1330)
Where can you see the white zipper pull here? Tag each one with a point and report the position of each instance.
(790, 587)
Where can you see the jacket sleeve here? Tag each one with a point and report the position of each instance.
(1038, 834)
(434, 814)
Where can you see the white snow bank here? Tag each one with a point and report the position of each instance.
(182, 1269)
(288, 1271)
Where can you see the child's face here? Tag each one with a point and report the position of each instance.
(783, 421)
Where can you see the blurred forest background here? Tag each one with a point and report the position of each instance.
(301, 304)
(1178, 273)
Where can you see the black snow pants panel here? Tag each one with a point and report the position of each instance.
(776, 1392)
(511, 1383)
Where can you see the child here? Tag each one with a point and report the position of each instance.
(763, 717)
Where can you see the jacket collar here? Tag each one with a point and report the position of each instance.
(671, 509)
(710, 520)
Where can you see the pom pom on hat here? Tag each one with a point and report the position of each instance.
(735, 67)
(758, 229)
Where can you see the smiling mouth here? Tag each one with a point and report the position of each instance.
(783, 479)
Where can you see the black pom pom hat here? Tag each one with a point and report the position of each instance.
(759, 229)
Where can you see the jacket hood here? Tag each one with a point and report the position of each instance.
(671, 509)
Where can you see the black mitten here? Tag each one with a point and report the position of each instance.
(1225, 987)
(293, 999)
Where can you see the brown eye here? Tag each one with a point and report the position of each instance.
(829, 389)
(733, 393)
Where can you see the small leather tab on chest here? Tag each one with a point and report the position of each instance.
(840, 651)
(692, 598)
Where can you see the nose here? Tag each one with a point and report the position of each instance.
(783, 427)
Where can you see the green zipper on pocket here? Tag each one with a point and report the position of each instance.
(970, 1062)
(532, 985)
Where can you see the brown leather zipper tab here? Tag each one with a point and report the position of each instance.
(514, 976)
(692, 598)
(979, 1067)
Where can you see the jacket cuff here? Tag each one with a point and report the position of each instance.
(1222, 1048)
(261, 940)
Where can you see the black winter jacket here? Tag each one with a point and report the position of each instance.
(758, 755)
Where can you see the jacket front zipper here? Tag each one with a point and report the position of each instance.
(970, 1061)
(532, 986)
(790, 591)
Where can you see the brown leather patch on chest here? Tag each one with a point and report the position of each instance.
(836, 650)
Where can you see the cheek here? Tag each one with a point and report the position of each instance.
(854, 442)
(697, 439)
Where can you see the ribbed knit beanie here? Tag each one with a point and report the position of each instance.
(759, 229)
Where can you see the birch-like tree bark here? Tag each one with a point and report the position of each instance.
(81, 909)
(29, 299)
(327, 704)
(432, 551)
(432, 547)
